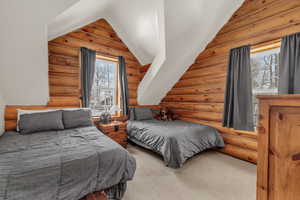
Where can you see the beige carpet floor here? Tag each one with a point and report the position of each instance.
(207, 176)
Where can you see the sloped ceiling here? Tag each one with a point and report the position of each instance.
(167, 33)
(135, 21)
(189, 27)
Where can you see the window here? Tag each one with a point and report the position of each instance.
(105, 93)
(265, 74)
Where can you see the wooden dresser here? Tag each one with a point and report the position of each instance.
(116, 131)
(278, 167)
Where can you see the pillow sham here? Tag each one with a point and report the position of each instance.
(40, 121)
(143, 114)
(77, 118)
(22, 112)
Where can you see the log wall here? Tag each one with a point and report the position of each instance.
(64, 71)
(198, 96)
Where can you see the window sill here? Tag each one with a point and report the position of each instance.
(251, 134)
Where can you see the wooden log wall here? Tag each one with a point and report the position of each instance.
(198, 96)
(144, 69)
(64, 71)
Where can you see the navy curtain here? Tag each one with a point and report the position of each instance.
(124, 85)
(88, 62)
(289, 68)
(238, 111)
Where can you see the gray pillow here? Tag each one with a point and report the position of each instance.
(22, 112)
(132, 114)
(143, 114)
(37, 122)
(77, 118)
(155, 111)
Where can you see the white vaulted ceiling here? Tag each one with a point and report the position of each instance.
(135, 21)
(189, 27)
(167, 33)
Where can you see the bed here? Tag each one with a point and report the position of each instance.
(176, 141)
(63, 165)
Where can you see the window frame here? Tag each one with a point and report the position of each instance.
(261, 47)
(118, 87)
(264, 46)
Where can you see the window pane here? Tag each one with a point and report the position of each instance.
(104, 89)
(265, 75)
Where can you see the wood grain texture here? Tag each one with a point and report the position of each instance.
(116, 131)
(199, 95)
(64, 64)
(278, 174)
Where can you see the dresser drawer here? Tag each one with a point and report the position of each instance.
(113, 128)
(119, 134)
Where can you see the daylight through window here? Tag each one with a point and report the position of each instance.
(265, 75)
(104, 93)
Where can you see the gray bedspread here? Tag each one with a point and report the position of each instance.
(176, 140)
(62, 165)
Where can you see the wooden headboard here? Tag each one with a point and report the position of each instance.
(10, 115)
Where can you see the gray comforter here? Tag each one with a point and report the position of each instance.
(176, 140)
(62, 165)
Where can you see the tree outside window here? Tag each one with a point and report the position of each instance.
(104, 90)
(265, 75)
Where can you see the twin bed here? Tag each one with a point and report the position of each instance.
(77, 159)
(176, 141)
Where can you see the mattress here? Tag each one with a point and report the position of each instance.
(176, 140)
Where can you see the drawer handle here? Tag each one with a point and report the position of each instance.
(116, 128)
(296, 157)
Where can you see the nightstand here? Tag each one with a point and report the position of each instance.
(116, 131)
